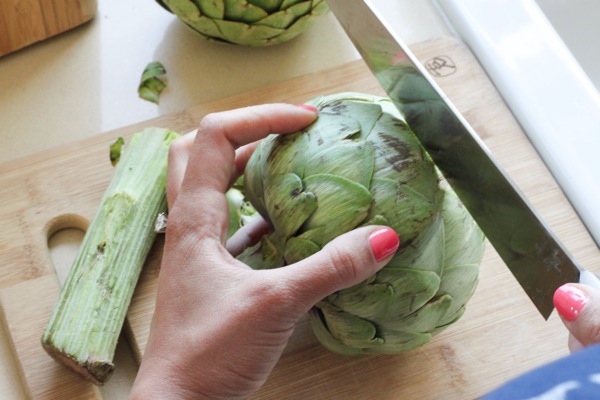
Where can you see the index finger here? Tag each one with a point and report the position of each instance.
(290, 118)
(211, 162)
(212, 156)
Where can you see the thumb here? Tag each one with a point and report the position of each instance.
(343, 262)
(579, 308)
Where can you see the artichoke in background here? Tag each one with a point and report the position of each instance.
(359, 164)
(248, 22)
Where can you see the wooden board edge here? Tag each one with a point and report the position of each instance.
(24, 317)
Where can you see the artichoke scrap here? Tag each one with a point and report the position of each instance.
(241, 212)
(360, 164)
(247, 22)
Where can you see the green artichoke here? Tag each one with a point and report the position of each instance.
(247, 22)
(360, 164)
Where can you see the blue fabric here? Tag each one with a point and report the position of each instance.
(574, 377)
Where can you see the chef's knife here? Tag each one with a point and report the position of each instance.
(524, 242)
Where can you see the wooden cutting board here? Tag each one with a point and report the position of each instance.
(24, 22)
(500, 336)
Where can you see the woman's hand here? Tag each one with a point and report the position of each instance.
(219, 327)
(579, 308)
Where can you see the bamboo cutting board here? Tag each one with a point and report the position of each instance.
(500, 336)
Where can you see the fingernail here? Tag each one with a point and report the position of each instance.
(384, 242)
(569, 300)
(308, 107)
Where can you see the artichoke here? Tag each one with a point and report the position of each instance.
(360, 164)
(247, 22)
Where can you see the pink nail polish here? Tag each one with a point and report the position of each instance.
(308, 107)
(384, 242)
(569, 300)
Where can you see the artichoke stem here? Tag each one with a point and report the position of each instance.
(84, 327)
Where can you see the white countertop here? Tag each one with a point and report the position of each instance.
(84, 82)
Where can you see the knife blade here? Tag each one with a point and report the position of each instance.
(536, 258)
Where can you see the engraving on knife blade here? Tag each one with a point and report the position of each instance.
(440, 66)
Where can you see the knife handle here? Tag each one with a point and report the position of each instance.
(589, 278)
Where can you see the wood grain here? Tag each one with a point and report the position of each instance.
(500, 336)
(24, 22)
(25, 317)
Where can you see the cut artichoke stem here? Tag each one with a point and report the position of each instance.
(87, 319)
(360, 164)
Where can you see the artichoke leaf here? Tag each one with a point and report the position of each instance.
(238, 32)
(376, 220)
(331, 128)
(288, 3)
(211, 8)
(115, 150)
(372, 301)
(285, 18)
(455, 281)
(151, 86)
(350, 329)
(253, 184)
(314, 235)
(297, 249)
(351, 160)
(235, 199)
(267, 5)
(426, 318)
(366, 114)
(289, 205)
(369, 281)
(342, 205)
(409, 86)
(456, 277)
(151, 90)
(412, 288)
(206, 24)
(303, 23)
(401, 158)
(245, 12)
(240, 211)
(426, 252)
(326, 339)
(263, 255)
(465, 243)
(398, 341)
(286, 153)
(409, 212)
(450, 319)
(185, 8)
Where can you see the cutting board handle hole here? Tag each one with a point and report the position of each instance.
(65, 234)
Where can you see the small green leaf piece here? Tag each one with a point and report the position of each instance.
(115, 150)
(150, 86)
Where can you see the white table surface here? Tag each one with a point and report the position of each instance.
(84, 82)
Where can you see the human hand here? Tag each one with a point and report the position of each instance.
(219, 327)
(579, 308)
